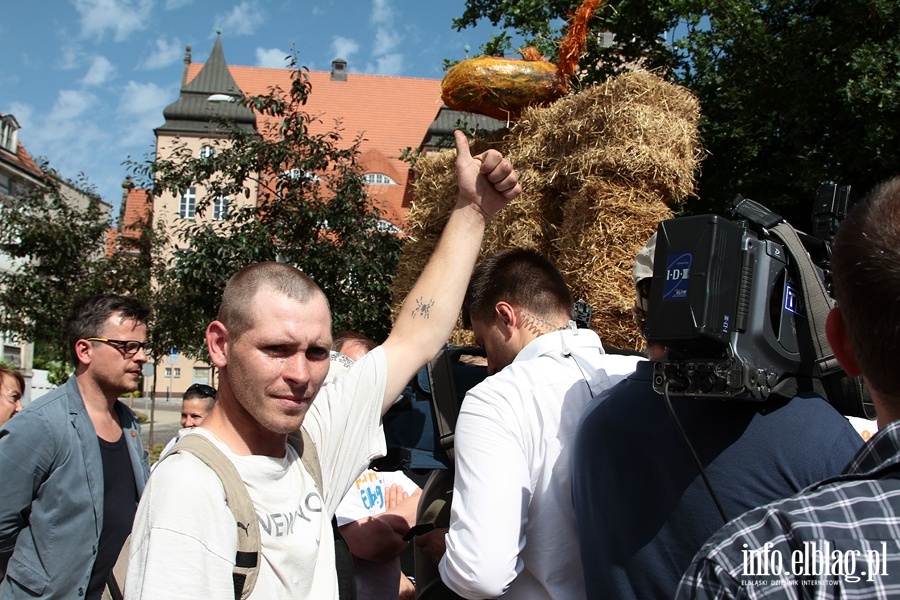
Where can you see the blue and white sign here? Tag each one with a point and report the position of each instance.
(678, 273)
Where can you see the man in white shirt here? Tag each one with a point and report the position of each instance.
(271, 344)
(512, 529)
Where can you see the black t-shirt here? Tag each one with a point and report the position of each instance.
(119, 506)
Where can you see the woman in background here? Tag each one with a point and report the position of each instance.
(12, 387)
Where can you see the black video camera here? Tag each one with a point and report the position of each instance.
(727, 301)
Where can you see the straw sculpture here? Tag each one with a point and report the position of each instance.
(599, 169)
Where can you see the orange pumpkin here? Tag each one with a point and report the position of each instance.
(501, 87)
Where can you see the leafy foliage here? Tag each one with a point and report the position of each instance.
(312, 211)
(58, 253)
(794, 92)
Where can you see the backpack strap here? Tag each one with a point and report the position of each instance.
(818, 302)
(309, 456)
(446, 401)
(246, 562)
(848, 395)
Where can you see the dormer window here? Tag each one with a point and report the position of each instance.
(206, 151)
(9, 134)
(378, 179)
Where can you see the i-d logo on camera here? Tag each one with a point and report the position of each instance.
(678, 273)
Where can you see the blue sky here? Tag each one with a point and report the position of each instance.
(88, 79)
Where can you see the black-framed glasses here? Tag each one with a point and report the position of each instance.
(206, 390)
(127, 347)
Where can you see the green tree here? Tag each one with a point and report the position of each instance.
(793, 92)
(312, 211)
(58, 254)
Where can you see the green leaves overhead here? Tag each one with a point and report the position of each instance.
(794, 92)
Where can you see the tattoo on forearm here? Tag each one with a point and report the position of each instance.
(422, 308)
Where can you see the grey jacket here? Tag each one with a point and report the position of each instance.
(51, 494)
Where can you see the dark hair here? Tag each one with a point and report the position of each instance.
(236, 311)
(866, 270)
(200, 391)
(20, 379)
(521, 277)
(89, 315)
(345, 337)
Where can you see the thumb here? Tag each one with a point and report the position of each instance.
(463, 154)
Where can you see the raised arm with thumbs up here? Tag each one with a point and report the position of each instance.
(487, 183)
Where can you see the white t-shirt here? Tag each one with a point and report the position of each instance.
(168, 447)
(366, 498)
(184, 536)
(512, 527)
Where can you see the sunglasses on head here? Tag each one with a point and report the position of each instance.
(206, 390)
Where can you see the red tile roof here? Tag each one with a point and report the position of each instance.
(26, 162)
(391, 114)
(137, 207)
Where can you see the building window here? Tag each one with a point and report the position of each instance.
(9, 134)
(177, 372)
(299, 174)
(201, 375)
(378, 179)
(386, 226)
(5, 186)
(168, 372)
(206, 151)
(12, 355)
(220, 209)
(188, 203)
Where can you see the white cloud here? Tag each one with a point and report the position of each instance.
(385, 41)
(70, 105)
(100, 71)
(381, 13)
(343, 47)
(273, 58)
(71, 57)
(243, 19)
(140, 110)
(64, 135)
(122, 17)
(389, 64)
(164, 54)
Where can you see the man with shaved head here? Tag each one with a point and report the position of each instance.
(271, 344)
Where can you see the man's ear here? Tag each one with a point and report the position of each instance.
(836, 332)
(83, 350)
(217, 343)
(506, 316)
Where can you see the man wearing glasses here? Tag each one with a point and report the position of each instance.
(72, 465)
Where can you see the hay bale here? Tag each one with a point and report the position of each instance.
(599, 169)
(605, 225)
(635, 126)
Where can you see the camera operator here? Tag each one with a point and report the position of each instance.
(846, 526)
(641, 504)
